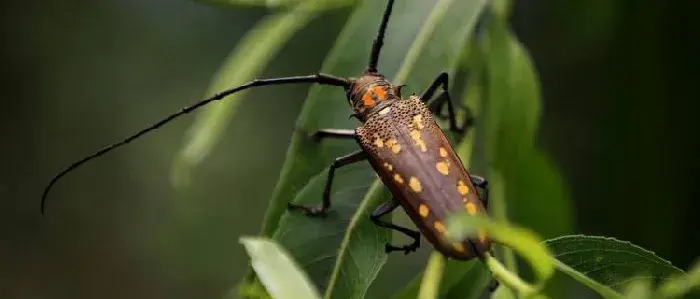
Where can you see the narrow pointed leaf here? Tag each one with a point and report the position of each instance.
(533, 182)
(277, 271)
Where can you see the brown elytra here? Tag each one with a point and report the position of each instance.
(415, 160)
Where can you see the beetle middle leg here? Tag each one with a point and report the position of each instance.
(348, 159)
(386, 208)
(483, 184)
(444, 97)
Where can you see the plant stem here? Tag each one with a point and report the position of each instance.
(508, 278)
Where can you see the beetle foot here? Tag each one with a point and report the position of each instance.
(406, 248)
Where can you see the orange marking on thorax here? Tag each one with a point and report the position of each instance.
(380, 91)
(367, 100)
(374, 91)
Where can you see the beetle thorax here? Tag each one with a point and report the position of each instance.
(370, 94)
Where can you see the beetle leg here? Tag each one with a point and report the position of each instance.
(348, 159)
(386, 208)
(483, 184)
(321, 134)
(436, 104)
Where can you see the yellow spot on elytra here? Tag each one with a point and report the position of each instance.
(418, 121)
(398, 178)
(378, 142)
(462, 188)
(471, 208)
(414, 183)
(415, 134)
(443, 152)
(439, 227)
(385, 110)
(458, 246)
(482, 236)
(394, 145)
(388, 166)
(442, 168)
(423, 210)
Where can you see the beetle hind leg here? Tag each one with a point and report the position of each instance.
(386, 208)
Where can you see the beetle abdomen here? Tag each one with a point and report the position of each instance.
(415, 160)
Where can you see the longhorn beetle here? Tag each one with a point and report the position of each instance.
(403, 144)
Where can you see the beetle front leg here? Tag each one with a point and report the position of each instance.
(351, 158)
(483, 184)
(386, 208)
(436, 105)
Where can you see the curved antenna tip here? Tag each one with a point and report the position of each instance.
(45, 195)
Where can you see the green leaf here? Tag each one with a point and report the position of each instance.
(359, 259)
(246, 61)
(277, 271)
(604, 264)
(533, 182)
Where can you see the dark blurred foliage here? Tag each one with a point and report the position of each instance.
(619, 117)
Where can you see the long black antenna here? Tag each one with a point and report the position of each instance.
(318, 78)
(379, 40)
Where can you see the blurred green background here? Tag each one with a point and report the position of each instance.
(619, 120)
